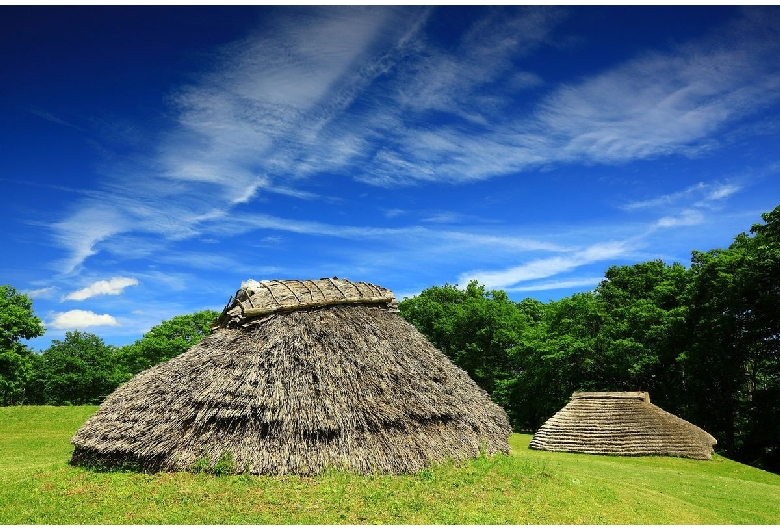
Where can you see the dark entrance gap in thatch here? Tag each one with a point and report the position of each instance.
(298, 377)
(623, 424)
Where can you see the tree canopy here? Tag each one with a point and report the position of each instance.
(17, 322)
(475, 328)
(78, 370)
(81, 368)
(704, 341)
(166, 340)
(733, 359)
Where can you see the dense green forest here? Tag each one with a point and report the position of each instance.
(80, 369)
(703, 340)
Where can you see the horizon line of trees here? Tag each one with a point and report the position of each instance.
(704, 341)
(81, 369)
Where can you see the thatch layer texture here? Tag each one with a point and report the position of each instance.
(621, 423)
(352, 387)
(256, 300)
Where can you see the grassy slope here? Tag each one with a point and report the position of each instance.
(38, 487)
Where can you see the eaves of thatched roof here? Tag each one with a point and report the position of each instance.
(349, 385)
(621, 423)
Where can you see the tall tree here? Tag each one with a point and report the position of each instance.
(644, 334)
(716, 360)
(761, 285)
(734, 360)
(17, 322)
(558, 354)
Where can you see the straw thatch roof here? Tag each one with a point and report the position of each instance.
(621, 423)
(331, 376)
(255, 300)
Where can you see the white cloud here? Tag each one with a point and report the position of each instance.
(82, 231)
(669, 199)
(45, 292)
(539, 268)
(114, 286)
(686, 218)
(262, 111)
(652, 105)
(699, 195)
(546, 267)
(560, 284)
(453, 81)
(351, 90)
(721, 192)
(78, 318)
(663, 103)
(507, 242)
(431, 238)
(390, 213)
(687, 207)
(273, 95)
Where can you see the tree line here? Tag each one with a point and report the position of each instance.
(704, 341)
(80, 369)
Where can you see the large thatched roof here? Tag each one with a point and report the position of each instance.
(346, 384)
(621, 423)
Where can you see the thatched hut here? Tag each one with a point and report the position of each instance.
(621, 423)
(298, 376)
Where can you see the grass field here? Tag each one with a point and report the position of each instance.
(37, 486)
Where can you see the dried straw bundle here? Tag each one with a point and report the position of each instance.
(345, 386)
(621, 423)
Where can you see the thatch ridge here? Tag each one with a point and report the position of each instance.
(641, 396)
(255, 299)
(345, 386)
(621, 423)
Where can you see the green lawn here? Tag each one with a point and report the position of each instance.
(37, 486)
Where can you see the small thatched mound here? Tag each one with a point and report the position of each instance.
(332, 383)
(621, 423)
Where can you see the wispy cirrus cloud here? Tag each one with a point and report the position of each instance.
(44, 292)
(659, 103)
(546, 267)
(686, 217)
(259, 112)
(474, 80)
(51, 117)
(666, 102)
(568, 283)
(406, 235)
(92, 223)
(364, 92)
(263, 113)
(688, 207)
(700, 194)
(720, 192)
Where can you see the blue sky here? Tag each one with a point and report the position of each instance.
(153, 158)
